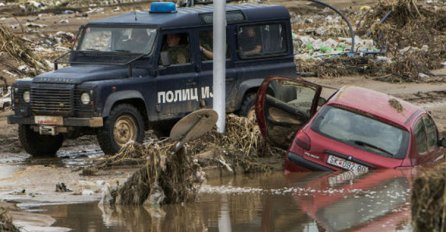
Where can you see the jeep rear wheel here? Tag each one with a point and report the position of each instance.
(39, 145)
(124, 124)
(247, 108)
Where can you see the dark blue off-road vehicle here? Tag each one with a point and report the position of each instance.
(116, 87)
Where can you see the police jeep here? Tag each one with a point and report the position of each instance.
(112, 89)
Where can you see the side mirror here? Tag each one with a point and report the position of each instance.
(165, 59)
(442, 142)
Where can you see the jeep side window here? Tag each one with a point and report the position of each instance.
(175, 49)
(261, 40)
(206, 45)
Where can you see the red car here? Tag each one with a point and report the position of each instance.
(356, 129)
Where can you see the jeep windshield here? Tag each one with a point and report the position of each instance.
(124, 39)
(110, 45)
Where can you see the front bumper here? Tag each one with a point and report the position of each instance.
(68, 121)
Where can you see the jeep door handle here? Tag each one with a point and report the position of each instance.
(191, 83)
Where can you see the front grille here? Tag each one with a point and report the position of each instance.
(52, 99)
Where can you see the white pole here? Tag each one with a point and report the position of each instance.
(219, 77)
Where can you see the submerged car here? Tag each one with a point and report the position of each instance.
(356, 129)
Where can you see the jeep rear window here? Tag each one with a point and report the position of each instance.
(362, 132)
(108, 39)
(261, 40)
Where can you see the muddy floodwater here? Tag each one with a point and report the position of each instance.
(299, 202)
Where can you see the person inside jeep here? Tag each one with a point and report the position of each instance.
(206, 38)
(249, 41)
(176, 49)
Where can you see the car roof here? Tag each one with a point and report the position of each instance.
(191, 16)
(377, 104)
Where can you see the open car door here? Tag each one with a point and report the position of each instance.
(284, 106)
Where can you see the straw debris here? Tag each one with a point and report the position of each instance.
(17, 49)
(168, 177)
(396, 105)
(428, 200)
(165, 178)
(413, 36)
(6, 221)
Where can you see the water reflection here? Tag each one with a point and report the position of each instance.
(302, 202)
(370, 202)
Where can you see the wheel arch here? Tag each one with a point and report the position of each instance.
(246, 88)
(131, 97)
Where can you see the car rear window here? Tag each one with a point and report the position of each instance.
(362, 132)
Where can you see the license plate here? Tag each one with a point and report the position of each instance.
(345, 164)
(48, 120)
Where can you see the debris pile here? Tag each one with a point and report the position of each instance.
(401, 40)
(413, 35)
(166, 177)
(169, 177)
(17, 49)
(6, 221)
(429, 200)
(241, 146)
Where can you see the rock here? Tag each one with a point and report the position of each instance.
(321, 31)
(383, 59)
(87, 192)
(61, 187)
(423, 77)
(35, 25)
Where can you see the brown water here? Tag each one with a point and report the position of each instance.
(376, 201)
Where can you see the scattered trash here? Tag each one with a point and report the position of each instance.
(409, 35)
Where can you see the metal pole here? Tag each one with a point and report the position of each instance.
(219, 66)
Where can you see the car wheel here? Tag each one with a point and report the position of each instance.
(39, 145)
(124, 124)
(248, 106)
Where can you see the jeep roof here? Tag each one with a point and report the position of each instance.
(192, 17)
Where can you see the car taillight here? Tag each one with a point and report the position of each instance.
(303, 141)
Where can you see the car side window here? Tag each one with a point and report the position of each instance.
(261, 40)
(431, 132)
(420, 137)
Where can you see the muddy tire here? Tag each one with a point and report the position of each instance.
(39, 145)
(247, 109)
(124, 123)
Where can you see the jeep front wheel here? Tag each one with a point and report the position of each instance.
(39, 145)
(124, 124)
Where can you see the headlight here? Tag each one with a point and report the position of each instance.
(85, 98)
(26, 96)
